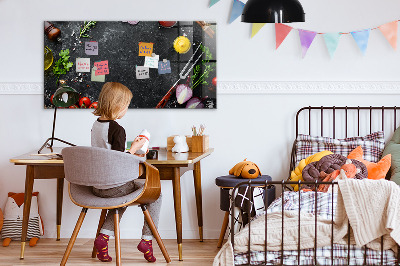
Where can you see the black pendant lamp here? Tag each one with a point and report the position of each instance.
(273, 11)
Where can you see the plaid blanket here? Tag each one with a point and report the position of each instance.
(323, 205)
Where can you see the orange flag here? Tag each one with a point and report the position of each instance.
(281, 31)
(389, 30)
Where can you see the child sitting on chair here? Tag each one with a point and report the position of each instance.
(106, 133)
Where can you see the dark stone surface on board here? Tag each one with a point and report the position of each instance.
(119, 44)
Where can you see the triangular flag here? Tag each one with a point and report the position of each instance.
(390, 32)
(237, 8)
(213, 2)
(306, 39)
(255, 28)
(332, 41)
(361, 37)
(281, 31)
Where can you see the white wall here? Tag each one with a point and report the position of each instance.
(259, 127)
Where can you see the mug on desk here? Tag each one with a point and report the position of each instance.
(152, 155)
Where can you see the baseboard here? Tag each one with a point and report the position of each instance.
(259, 87)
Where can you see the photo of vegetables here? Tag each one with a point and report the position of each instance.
(166, 64)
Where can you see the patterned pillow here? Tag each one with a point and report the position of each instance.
(372, 145)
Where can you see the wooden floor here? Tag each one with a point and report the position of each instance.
(50, 252)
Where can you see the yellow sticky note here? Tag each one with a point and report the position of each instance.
(145, 49)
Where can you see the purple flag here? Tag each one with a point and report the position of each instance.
(306, 39)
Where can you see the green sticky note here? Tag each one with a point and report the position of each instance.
(98, 78)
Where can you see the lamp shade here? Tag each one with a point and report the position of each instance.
(65, 96)
(273, 11)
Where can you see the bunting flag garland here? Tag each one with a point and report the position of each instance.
(389, 30)
(281, 31)
(361, 37)
(256, 28)
(306, 39)
(332, 41)
(237, 8)
(213, 2)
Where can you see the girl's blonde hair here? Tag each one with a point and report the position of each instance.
(112, 99)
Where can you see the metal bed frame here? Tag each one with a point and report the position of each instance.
(284, 184)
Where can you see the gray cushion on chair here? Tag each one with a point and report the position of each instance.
(83, 196)
(99, 167)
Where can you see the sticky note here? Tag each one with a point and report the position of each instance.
(83, 65)
(142, 72)
(164, 67)
(145, 48)
(151, 62)
(91, 48)
(98, 78)
(102, 68)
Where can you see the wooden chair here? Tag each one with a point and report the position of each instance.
(85, 167)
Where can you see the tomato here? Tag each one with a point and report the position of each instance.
(93, 105)
(214, 81)
(51, 98)
(84, 102)
(73, 106)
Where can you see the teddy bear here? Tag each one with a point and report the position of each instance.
(245, 169)
(180, 144)
(13, 215)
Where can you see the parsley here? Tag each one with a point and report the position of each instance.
(198, 77)
(62, 65)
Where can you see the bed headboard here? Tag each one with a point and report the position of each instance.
(344, 121)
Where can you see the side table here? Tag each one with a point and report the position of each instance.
(226, 183)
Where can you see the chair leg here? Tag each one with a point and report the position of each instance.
(154, 230)
(73, 237)
(117, 239)
(101, 222)
(223, 229)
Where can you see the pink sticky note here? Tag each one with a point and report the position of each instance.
(102, 68)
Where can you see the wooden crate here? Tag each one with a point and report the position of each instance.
(200, 143)
(171, 143)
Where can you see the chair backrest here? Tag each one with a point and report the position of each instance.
(92, 166)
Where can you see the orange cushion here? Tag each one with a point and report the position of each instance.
(375, 170)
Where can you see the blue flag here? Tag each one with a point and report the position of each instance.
(361, 37)
(237, 8)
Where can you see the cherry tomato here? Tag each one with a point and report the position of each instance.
(51, 98)
(214, 81)
(93, 105)
(84, 102)
(73, 106)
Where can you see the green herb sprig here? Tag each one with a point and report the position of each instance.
(62, 65)
(198, 77)
(86, 27)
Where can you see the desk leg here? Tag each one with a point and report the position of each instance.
(199, 204)
(27, 206)
(176, 182)
(60, 190)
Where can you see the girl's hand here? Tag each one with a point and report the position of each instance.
(142, 155)
(137, 144)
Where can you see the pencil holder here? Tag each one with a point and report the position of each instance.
(200, 143)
